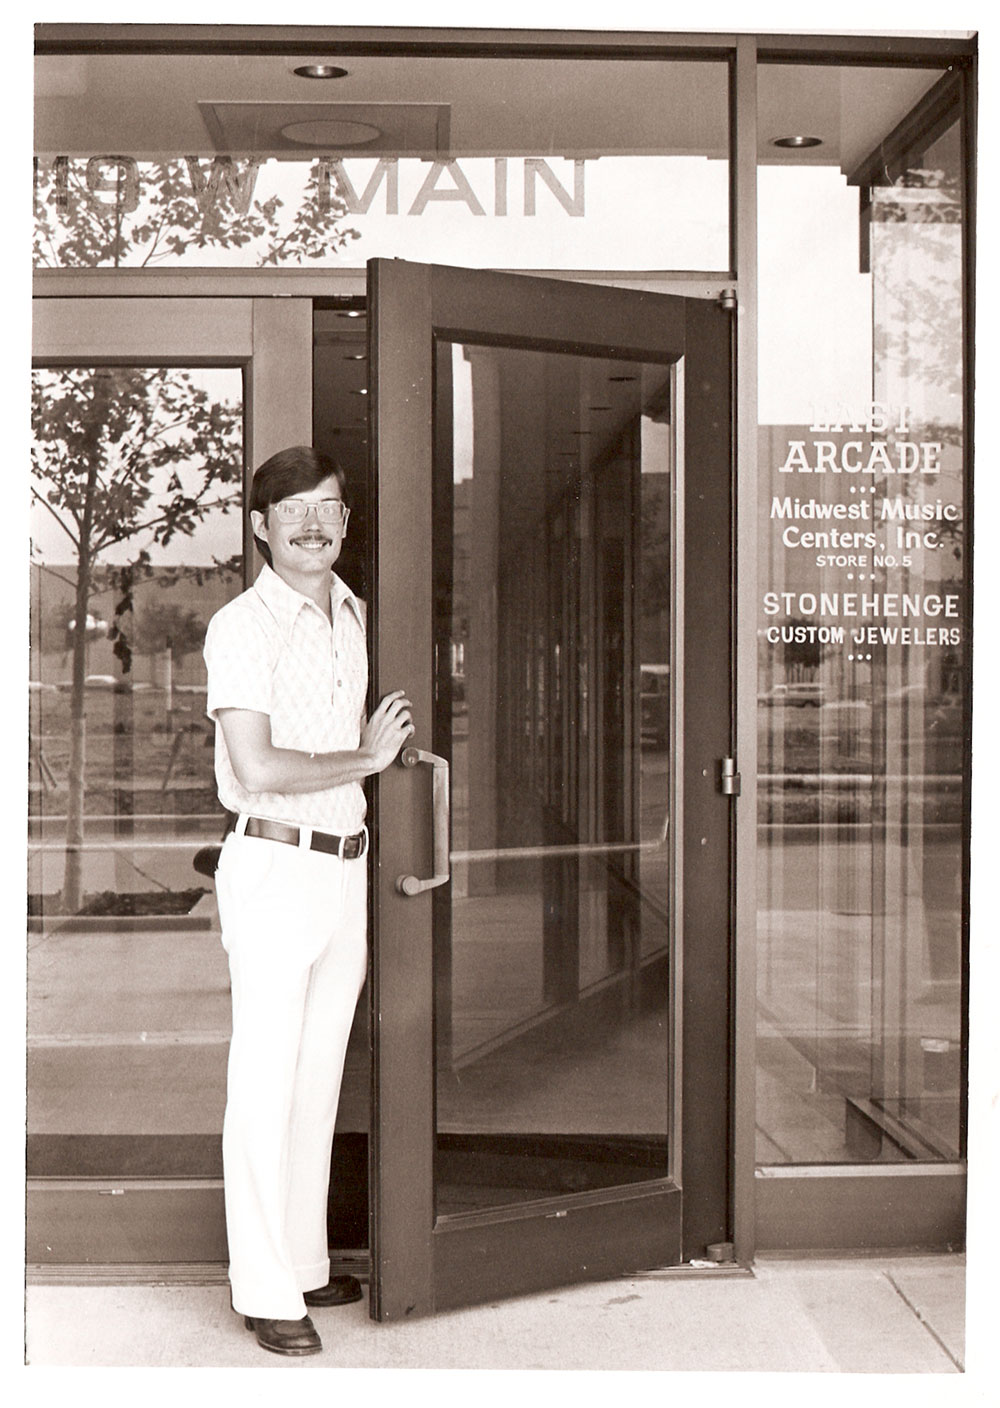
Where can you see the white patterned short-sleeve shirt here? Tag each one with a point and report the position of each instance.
(273, 650)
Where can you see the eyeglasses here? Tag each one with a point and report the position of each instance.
(297, 510)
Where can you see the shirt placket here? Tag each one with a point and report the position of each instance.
(318, 681)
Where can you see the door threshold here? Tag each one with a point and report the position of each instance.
(176, 1273)
(714, 1271)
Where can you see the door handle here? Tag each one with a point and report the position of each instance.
(441, 803)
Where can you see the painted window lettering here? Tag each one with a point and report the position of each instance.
(121, 179)
(852, 457)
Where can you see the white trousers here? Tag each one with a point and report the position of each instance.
(294, 925)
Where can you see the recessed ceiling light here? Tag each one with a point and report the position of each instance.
(320, 71)
(798, 142)
(327, 132)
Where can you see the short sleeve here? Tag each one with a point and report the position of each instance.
(240, 664)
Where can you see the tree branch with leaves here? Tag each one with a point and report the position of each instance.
(123, 454)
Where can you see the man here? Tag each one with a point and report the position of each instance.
(287, 680)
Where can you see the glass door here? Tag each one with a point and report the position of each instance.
(145, 412)
(551, 972)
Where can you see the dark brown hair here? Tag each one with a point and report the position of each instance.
(292, 471)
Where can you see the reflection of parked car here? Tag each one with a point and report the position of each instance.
(112, 682)
(802, 695)
(848, 706)
(844, 716)
(905, 693)
(846, 725)
(654, 698)
(797, 696)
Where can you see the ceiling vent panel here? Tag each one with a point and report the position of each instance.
(290, 130)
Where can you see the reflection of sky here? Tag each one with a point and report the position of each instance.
(816, 308)
(220, 536)
(461, 374)
(649, 212)
(657, 450)
(815, 345)
(641, 213)
(652, 213)
(655, 213)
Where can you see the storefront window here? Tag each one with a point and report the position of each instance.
(136, 541)
(615, 170)
(863, 627)
(158, 161)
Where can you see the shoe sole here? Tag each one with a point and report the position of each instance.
(290, 1352)
(332, 1304)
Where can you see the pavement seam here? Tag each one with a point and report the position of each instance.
(958, 1363)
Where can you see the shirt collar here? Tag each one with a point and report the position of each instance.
(285, 603)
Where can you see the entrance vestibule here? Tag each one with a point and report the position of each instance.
(556, 512)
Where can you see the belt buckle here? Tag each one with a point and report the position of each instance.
(352, 847)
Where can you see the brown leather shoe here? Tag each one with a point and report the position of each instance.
(285, 1336)
(339, 1290)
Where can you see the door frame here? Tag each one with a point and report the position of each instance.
(272, 290)
(417, 1265)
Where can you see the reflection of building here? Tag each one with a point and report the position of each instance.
(570, 528)
(52, 590)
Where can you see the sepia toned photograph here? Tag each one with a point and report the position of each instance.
(500, 749)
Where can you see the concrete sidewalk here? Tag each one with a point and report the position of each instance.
(888, 1315)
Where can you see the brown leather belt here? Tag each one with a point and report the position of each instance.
(347, 847)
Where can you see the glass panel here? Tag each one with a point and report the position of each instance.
(554, 505)
(238, 160)
(136, 542)
(863, 630)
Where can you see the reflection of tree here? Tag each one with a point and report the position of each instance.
(123, 452)
(180, 206)
(918, 350)
(166, 625)
(917, 277)
(119, 453)
(806, 654)
(55, 623)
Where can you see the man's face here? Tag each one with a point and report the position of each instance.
(307, 543)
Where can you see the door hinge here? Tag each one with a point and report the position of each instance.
(729, 781)
(727, 299)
